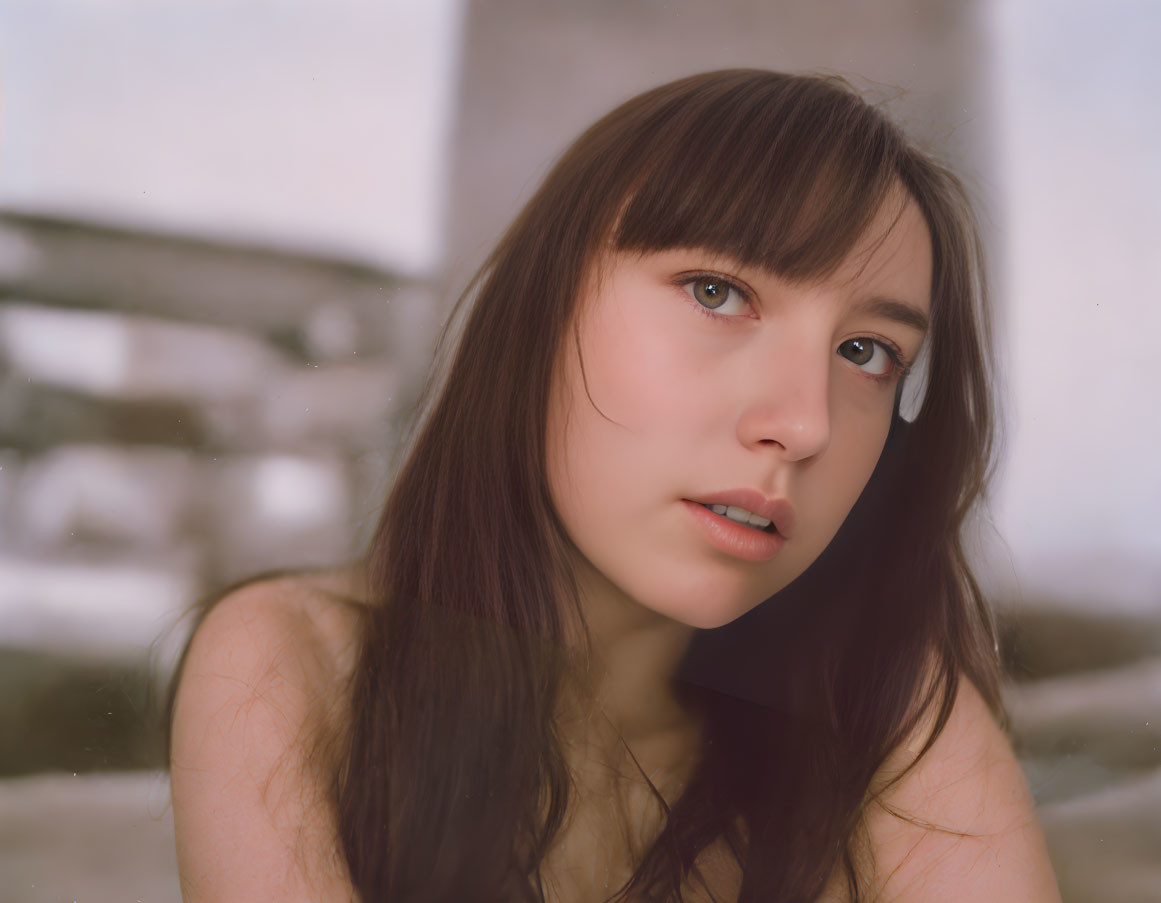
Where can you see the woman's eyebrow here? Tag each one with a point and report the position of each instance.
(899, 311)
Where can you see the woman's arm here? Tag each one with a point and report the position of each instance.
(968, 830)
(249, 770)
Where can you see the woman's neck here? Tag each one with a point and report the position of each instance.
(625, 710)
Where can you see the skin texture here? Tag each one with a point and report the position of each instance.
(253, 821)
(670, 404)
(248, 770)
(673, 404)
(680, 405)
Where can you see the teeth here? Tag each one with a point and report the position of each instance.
(740, 515)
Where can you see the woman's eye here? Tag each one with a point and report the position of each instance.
(873, 357)
(717, 295)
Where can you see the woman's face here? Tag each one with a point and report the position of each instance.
(709, 383)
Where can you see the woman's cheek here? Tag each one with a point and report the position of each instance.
(648, 375)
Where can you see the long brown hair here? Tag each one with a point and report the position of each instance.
(453, 782)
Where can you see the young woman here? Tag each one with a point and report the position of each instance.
(559, 673)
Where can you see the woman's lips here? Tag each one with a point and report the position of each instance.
(734, 539)
(777, 510)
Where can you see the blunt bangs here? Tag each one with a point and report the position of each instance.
(777, 172)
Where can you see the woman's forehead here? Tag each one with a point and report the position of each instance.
(896, 246)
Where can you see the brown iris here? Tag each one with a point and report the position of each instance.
(857, 351)
(710, 292)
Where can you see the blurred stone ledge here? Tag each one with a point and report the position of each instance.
(1043, 638)
(312, 302)
(221, 515)
(1078, 732)
(73, 375)
(79, 713)
(36, 417)
(100, 838)
(1106, 845)
(94, 606)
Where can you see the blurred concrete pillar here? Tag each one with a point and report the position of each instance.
(535, 73)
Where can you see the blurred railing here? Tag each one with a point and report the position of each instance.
(174, 415)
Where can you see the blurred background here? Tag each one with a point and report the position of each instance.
(230, 231)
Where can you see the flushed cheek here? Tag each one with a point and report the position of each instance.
(589, 456)
(598, 465)
(609, 453)
(644, 374)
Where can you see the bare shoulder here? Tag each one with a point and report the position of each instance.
(960, 825)
(261, 701)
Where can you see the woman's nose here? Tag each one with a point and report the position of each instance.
(788, 407)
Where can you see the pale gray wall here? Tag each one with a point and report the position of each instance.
(534, 74)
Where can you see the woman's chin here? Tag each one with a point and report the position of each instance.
(702, 615)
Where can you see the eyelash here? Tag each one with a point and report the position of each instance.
(688, 279)
(899, 367)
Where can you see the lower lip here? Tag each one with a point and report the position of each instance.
(732, 538)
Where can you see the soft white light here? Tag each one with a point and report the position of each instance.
(298, 491)
(94, 607)
(75, 349)
(135, 357)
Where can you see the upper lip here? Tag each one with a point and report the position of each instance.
(777, 510)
